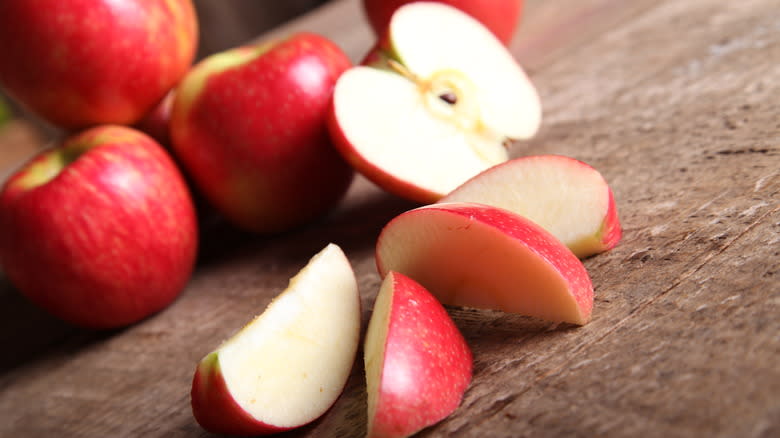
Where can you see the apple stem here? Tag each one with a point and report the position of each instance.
(403, 71)
(448, 96)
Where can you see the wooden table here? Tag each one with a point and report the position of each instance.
(677, 103)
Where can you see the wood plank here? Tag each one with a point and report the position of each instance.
(675, 102)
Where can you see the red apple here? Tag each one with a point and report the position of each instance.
(430, 110)
(100, 231)
(79, 63)
(476, 255)
(417, 363)
(567, 197)
(500, 16)
(287, 366)
(249, 125)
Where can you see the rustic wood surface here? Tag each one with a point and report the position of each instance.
(675, 102)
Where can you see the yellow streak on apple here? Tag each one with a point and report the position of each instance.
(192, 84)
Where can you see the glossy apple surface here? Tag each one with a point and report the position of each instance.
(566, 197)
(80, 63)
(417, 363)
(475, 255)
(500, 16)
(99, 231)
(429, 110)
(288, 366)
(249, 126)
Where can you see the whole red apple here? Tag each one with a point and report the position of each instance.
(99, 231)
(500, 16)
(80, 63)
(249, 126)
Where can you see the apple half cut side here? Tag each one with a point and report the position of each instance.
(289, 365)
(475, 255)
(567, 197)
(417, 363)
(437, 104)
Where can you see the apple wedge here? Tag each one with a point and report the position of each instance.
(567, 197)
(481, 256)
(436, 103)
(417, 363)
(289, 365)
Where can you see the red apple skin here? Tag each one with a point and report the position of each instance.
(424, 345)
(109, 240)
(516, 227)
(216, 410)
(255, 138)
(500, 16)
(80, 63)
(613, 231)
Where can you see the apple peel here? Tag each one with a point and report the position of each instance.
(475, 255)
(417, 363)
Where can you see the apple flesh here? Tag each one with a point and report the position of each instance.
(249, 126)
(567, 197)
(417, 363)
(500, 16)
(432, 109)
(80, 63)
(476, 255)
(100, 231)
(288, 366)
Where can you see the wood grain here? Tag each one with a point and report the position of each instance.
(674, 102)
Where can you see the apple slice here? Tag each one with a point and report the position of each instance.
(286, 367)
(437, 104)
(417, 363)
(476, 255)
(567, 197)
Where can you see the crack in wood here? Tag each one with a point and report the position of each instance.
(746, 151)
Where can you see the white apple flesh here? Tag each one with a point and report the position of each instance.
(436, 105)
(417, 363)
(567, 197)
(476, 255)
(289, 365)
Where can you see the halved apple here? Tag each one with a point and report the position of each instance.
(417, 363)
(567, 197)
(437, 103)
(476, 255)
(289, 365)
